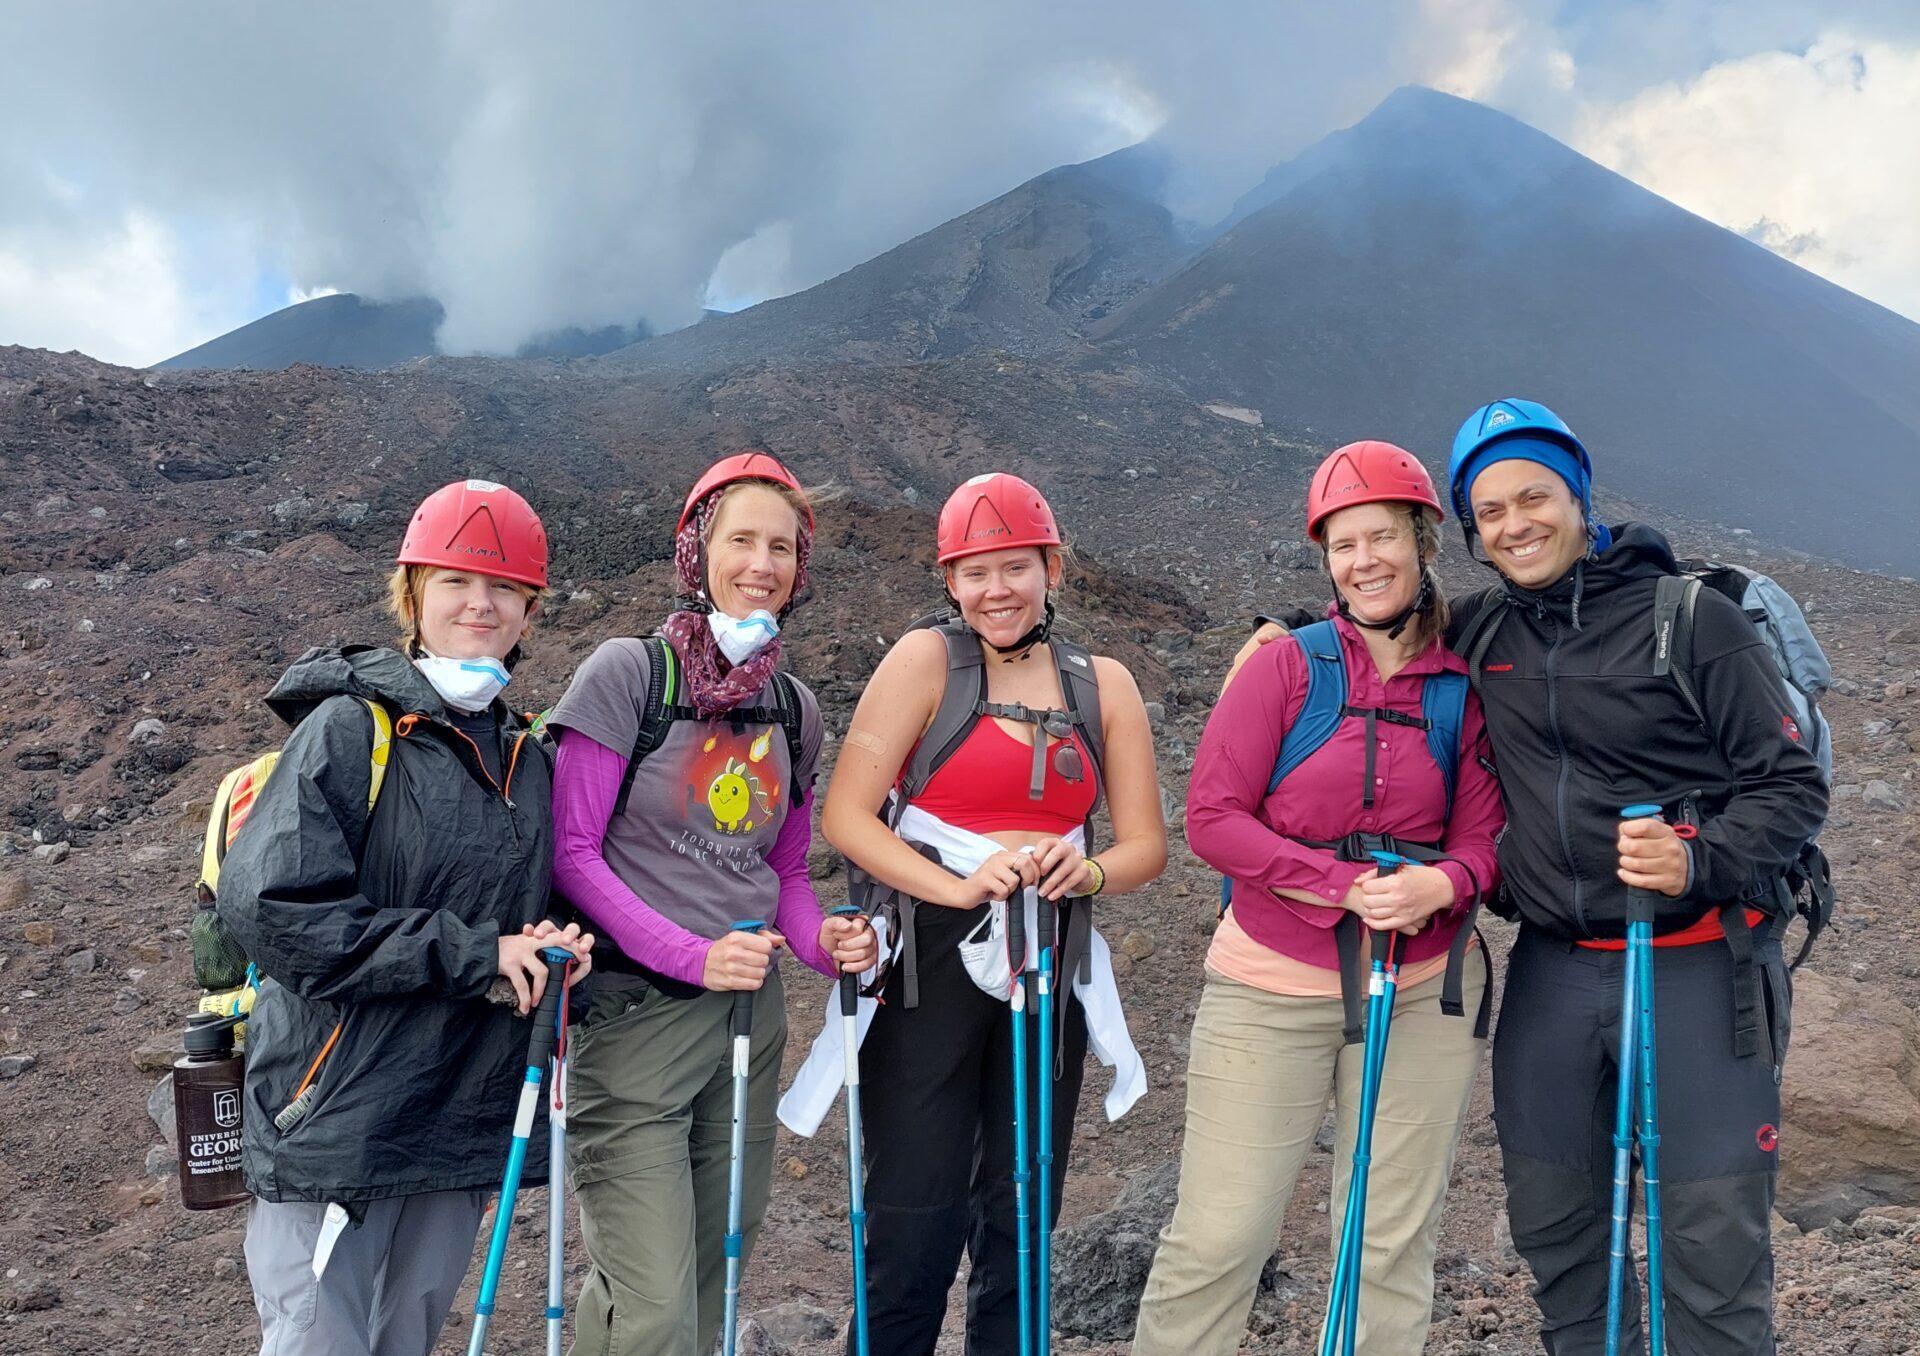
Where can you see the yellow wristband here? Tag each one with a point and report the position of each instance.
(1099, 878)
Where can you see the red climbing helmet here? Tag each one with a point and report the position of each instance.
(741, 466)
(1368, 473)
(993, 512)
(478, 525)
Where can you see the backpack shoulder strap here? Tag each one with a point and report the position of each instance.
(380, 753)
(1674, 597)
(1443, 701)
(656, 716)
(1321, 712)
(1479, 631)
(786, 703)
(1080, 689)
(958, 712)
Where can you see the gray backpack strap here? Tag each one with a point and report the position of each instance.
(1080, 690)
(1479, 632)
(1674, 596)
(958, 712)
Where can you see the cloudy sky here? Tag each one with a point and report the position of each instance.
(173, 170)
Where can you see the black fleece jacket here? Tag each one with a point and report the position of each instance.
(1581, 726)
(386, 927)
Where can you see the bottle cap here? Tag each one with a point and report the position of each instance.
(210, 1033)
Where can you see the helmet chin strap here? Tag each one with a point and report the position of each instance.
(1021, 648)
(1397, 623)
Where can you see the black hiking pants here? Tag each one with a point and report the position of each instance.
(937, 1090)
(1555, 1060)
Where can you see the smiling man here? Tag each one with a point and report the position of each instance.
(1583, 722)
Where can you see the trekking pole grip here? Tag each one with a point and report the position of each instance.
(1640, 903)
(541, 1041)
(743, 998)
(849, 984)
(1387, 863)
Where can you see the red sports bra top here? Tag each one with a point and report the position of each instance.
(983, 787)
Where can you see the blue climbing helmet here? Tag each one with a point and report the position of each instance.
(1514, 421)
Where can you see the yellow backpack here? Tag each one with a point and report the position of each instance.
(219, 962)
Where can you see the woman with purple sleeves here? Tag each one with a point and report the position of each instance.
(682, 801)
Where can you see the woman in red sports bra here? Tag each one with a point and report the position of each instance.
(1003, 805)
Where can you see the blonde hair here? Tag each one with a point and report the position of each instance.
(1430, 623)
(405, 585)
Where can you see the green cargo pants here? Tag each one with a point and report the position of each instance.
(650, 1111)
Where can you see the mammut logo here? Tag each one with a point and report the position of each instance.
(1790, 728)
(1767, 1138)
(1499, 668)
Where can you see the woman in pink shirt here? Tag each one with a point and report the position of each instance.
(1277, 1032)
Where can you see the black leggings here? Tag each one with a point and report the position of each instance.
(937, 1083)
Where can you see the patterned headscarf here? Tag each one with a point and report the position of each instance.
(713, 683)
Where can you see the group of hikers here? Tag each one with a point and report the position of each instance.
(1487, 745)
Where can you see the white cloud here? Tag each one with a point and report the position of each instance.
(116, 290)
(1814, 154)
(296, 295)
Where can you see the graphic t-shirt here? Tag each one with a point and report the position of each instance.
(706, 806)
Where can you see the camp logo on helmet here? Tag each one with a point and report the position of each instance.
(1767, 1138)
(484, 486)
(1498, 417)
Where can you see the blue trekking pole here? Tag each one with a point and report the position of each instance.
(1341, 1329)
(742, 1027)
(557, 1184)
(1017, 1000)
(856, 1183)
(1636, 1066)
(1043, 1155)
(539, 1048)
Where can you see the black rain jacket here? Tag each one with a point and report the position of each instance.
(1582, 725)
(388, 928)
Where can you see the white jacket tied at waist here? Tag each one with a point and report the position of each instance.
(819, 1081)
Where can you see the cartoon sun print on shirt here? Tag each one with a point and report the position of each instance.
(727, 782)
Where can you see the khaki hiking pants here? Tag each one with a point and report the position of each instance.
(648, 1126)
(1261, 1069)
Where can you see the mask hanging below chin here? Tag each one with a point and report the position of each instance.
(740, 639)
(468, 684)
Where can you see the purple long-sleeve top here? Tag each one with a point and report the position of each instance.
(1238, 827)
(586, 782)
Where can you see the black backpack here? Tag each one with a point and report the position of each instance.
(963, 702)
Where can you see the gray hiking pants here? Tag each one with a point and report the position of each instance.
(1554, 1066)
(386, 1288)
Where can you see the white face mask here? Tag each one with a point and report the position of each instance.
(469, 684)
(740, 640)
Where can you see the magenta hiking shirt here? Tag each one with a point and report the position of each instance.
(1237, 828)
(586, 782)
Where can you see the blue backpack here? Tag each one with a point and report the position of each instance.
(1443, 706)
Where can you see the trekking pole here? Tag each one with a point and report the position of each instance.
(539, 1047)
(557, 1184)
(1636, 1063)
(1017, 1001)
(1341, 1329)
(856, 1184)
(1043, 1149)
(742, 1026)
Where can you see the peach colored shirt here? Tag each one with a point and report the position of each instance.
(1239, 957)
